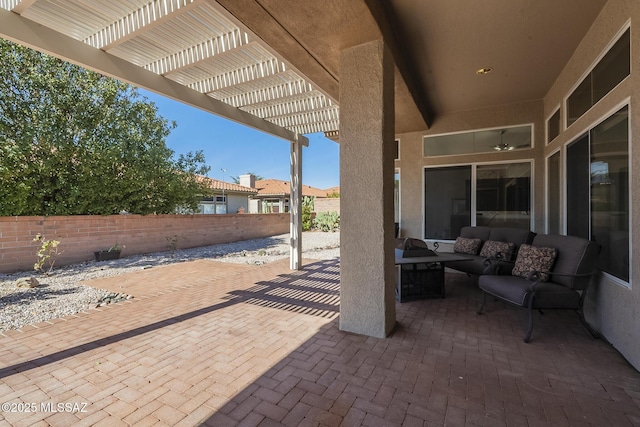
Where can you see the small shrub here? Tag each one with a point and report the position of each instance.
(309, 201)
(327, 221)
(172, 244)
(47, 254)
(307, 219)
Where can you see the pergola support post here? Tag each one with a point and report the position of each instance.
(295, 202)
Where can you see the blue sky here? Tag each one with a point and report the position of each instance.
(240, 149)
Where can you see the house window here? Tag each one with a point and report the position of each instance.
(483, 141)
(598, 191)
(447, 201)
(271, 206)
(497, 195)
(213, 205)
(614, 66)
(503, 195)
(553, 126)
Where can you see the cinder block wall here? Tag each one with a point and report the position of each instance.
(327, 205)
(82, 235)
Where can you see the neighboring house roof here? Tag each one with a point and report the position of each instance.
(276, 187)
(216, 184)
(333, 190)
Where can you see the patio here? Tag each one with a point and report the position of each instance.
(219, 344)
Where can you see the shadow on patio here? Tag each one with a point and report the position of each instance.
(241, 345)
(445, 365)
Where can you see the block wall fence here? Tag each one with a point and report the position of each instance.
(327, 205)
(80, 236)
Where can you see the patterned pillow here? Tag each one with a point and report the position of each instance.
(491, 248)
(468, 246)
(534, 258)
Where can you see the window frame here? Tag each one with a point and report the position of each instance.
(547, 137)
(531, 126)
(587, 129)
(397, 172)
(473, 190)
(563, 188)
(590, 69)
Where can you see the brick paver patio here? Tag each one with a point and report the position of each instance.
(221, 344)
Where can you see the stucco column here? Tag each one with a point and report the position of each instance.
(295, 203)
(367, 271)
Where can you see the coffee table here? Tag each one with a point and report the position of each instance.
(423, 277)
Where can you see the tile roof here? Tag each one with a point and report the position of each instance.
(216, 184)
(276, 187)
(333, 190)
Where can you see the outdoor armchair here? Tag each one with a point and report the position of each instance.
(570, 263)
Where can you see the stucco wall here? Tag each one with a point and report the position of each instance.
(412, 162)
(613, 308)
(81, 235)
(237, 201)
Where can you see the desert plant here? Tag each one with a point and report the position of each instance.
(47, 253)
(117, 247)
(307, 219)
(309, 201)
(327, 221)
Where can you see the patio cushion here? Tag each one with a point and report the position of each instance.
(515, 290)
(464, 245)
(492, 248)
(534, 258)
(477, 232)
(575, 256)
(516, 236)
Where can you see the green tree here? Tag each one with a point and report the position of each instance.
(76, 142)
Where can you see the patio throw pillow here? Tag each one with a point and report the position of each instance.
(464, 245)
(491, 248)
(534, 258)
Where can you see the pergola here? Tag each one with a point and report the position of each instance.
(365, 73)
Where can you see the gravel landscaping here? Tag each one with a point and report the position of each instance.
(61, 293)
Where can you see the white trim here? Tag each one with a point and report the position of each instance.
(397, 171)
(546, 190)
(473, 199)
(630, 186)
(479, 130)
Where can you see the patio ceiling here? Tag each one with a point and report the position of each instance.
(274, 65)
(196, 44)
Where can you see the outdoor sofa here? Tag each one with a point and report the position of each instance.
(480, 243)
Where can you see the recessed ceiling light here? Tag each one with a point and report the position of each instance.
(483, 71)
